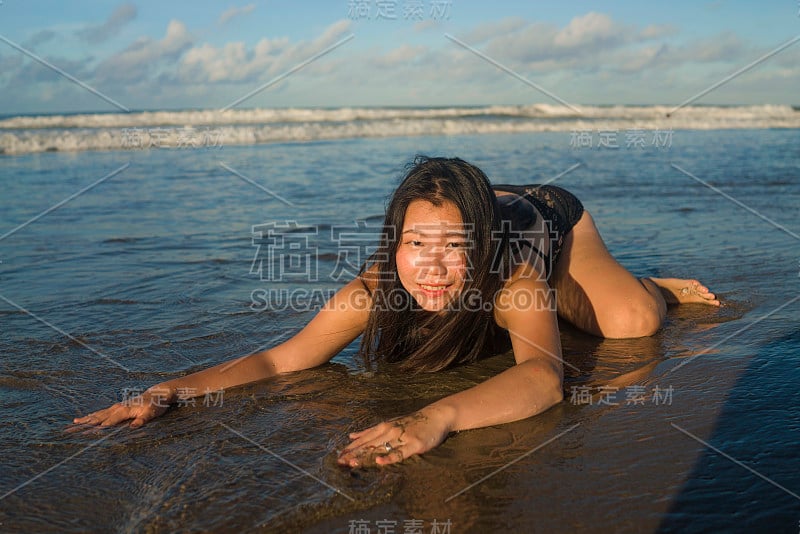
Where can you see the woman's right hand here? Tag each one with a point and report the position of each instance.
(141, 408)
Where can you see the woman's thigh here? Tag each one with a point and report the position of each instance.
(597, 294)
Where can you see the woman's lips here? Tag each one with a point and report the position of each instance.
(433, 289)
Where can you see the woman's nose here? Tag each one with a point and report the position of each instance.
(432, 261)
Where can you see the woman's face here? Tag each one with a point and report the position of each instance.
(432, 255)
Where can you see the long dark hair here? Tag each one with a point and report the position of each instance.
(398, 329)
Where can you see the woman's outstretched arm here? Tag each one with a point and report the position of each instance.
(339, 322)
(530, 387)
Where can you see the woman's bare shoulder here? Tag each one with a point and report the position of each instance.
(526, 285)
(369, 277)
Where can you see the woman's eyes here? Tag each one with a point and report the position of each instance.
(452, 244)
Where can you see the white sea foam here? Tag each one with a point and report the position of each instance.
(214, 128)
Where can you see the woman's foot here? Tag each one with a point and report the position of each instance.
(682, 291)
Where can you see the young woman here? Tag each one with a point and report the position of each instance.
(462, 270)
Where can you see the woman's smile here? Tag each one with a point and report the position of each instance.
(432, 255)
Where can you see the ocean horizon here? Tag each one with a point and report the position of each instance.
(215, 128)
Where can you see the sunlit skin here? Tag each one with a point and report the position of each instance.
(432, 254)
(432, 265)
(595, 293)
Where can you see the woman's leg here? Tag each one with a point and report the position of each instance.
(599, 296)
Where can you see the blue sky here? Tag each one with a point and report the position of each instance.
(181, 54)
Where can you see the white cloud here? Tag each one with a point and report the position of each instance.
(39, 38)
(537, 44)
(332, 33)
(234, 12)
(230, 63)
(122, 15)
(637, 59)
(489, 30)
(144, 56)
(589, 29)
(235, 63)
(654, 31)
(594, 42)
(591, 58)
(726, 46)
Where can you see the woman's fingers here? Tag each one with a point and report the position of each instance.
(369, 433)
(376, 453)
(89, 419)
(139, 421)
(362, 457)
(395, 455)
(141, 408)
(395, 440)
(370, 447)
(144, 415)
(114, 415)
(363, 437)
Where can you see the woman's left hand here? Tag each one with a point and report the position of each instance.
(395, 440)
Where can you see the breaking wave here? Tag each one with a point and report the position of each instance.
(216, 128)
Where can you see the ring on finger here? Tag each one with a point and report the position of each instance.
(388, 446)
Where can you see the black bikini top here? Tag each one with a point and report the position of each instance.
(521, 216)
(519, 211)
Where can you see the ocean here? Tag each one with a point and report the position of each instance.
(135, 248)
(187, 129)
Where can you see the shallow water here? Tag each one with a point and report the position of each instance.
(147, 276)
